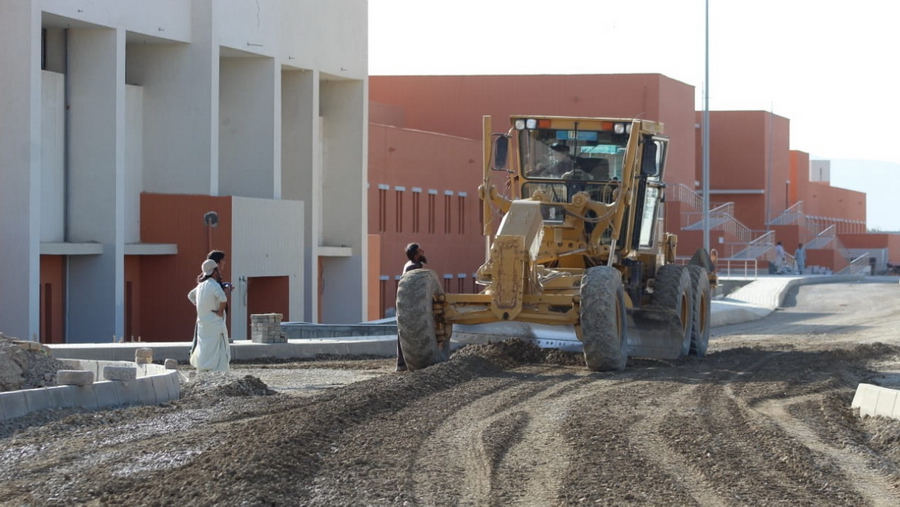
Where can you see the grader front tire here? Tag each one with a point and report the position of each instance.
(416, 294)
(702, 310)
(604, 327)
(672, 291)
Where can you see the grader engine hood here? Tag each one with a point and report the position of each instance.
(512, 257)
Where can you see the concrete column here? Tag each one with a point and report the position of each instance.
(344, 195)
(96, 182)
(247, 127)
(301, 168)
(180, 109)
(20, 168)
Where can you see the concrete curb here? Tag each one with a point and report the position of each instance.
(872, 400)
(154, 385)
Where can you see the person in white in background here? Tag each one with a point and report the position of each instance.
(779, 258)
(210, 350)
(800, 257)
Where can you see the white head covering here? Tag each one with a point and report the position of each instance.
(208, 267)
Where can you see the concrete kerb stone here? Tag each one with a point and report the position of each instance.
(74, 377)
(872, 400)
(123, 373)
(150, 384)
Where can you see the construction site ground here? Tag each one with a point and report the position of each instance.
(764, 419)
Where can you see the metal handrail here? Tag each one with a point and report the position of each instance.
(858, 266)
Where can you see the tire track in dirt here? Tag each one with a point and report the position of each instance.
(785, 465)
(509, 452)
(869, 482)
(647, 437)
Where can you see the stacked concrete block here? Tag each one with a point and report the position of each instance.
(266, 328)
(143, 355)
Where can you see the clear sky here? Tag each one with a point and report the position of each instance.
(829, 66)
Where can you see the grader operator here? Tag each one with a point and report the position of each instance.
(580, 243)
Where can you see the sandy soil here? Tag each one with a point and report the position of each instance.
(764, 419)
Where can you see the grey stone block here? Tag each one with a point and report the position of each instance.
(74, 377)
(107, 394)
(128, 392)
(85, 396)
(171, 364)
(119, 372)
(143, 355)
(38, 399)
(14, 404)
(161, 385)
(147, 391)
(62, 396)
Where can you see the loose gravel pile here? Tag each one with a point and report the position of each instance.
(26, 369)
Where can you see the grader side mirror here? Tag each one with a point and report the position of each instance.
(649, 165)
(501, 152)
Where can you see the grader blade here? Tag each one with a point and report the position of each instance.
(655, 333)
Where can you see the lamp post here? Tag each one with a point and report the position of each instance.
(705, 135)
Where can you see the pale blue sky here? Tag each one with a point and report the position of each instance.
(827, 65)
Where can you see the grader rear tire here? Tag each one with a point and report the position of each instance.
(672, 291)
(604, 327)
(702, 310)
(415, 319)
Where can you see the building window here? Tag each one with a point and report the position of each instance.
(399, 208)
(432, 195)
(461, 283)
(461, 225)
(415, 208)
(382, 208)
(448, 280)
(448, 204)
(382, 294)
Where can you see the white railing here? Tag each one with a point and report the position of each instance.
(790, 215)
(858, 266)
(759, 247)
(823, 239)
(683, 193)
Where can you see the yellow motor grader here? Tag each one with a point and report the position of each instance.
(580, 242)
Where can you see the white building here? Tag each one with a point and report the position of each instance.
(123, 121)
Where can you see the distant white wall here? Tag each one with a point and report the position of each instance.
(134, 161)
(53, 131)
(267, 240)
(820, 170)
(247, 127)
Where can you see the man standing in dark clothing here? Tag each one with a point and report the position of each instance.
(416, 260)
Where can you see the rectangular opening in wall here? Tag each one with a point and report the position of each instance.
(47, 311)
(129, 301)
(399, 209)
(461, 221)
(447, 210)
(415, 210)
(431, 212)
(382, 210)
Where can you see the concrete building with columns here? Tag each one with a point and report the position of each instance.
(136, 136)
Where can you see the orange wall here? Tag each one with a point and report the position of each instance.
(267, 294)
(53, 284)
(414, 159)
(455, 104)
(821, 199)
(875, 241)
(167, 315)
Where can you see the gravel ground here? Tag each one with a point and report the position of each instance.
(764, 419)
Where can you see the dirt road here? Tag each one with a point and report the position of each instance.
(764, 419)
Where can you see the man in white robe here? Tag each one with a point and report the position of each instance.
(210, 350)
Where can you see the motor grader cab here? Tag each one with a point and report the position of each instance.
(580, 242)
